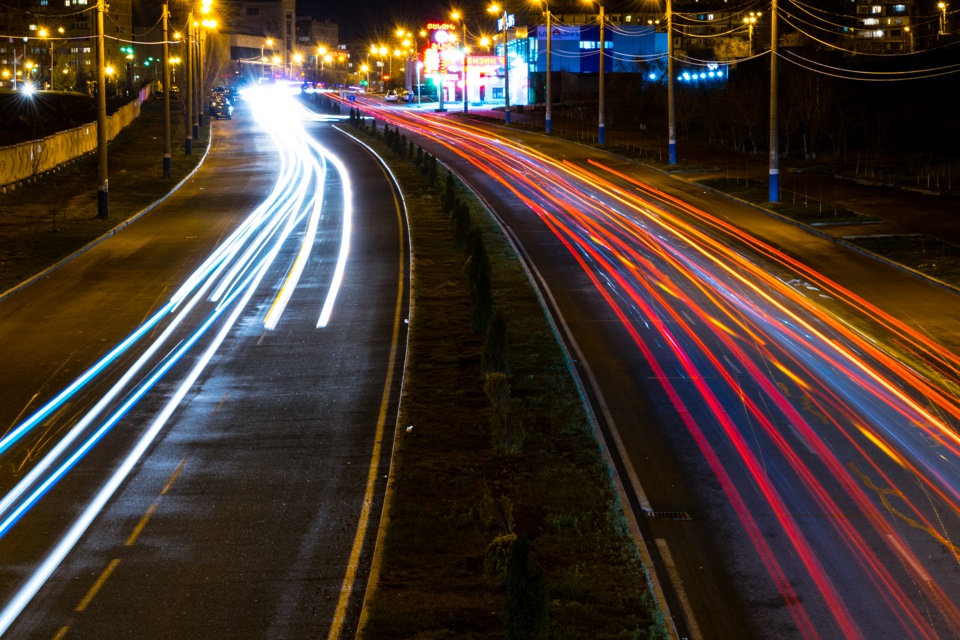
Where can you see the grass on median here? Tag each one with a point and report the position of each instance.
(47, 219)
(459, 505)
(926, 255)
(807, 211)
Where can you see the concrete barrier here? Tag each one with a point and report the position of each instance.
(27, 160)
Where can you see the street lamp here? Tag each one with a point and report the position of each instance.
(263, 60)
(319, 60)
(199, 38)
(43, 33)
(165, 83)
(109, 70)
(751, 20)
(943, 17)
(174, 61)
(600, 126)
(494, 8)
(466, 51)
(549, 97)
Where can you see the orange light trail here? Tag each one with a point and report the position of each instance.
(832, 427)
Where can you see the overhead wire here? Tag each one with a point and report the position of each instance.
(927, 75)
(866, 76)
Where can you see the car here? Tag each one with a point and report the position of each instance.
(406, 96)
(221, 109)
(392, 96)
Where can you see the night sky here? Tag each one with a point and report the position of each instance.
(367, 19)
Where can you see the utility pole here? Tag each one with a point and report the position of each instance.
(195, 70)
(671, 108)
(506, 72)
(102, 185)
(466, 52)
(188, 101)
(774, 141)
(601, 129)
(201, 79)
(166, 95)
(549, 100)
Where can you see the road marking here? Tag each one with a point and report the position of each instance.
(173, 476)
(97, 585)
(146, 517)
(346, 589)
(140, 525)
(674, 576)
(61, 633)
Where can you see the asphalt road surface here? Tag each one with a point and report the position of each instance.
(785, 410)
(199, 410)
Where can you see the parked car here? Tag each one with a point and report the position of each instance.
(392, 96)
(407, 96)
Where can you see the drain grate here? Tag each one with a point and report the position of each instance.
(668, 515)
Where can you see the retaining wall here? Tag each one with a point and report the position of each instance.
(27, 160)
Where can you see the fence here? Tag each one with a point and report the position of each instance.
(27, 160)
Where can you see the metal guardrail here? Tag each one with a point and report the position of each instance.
(27, 160)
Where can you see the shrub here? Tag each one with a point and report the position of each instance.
(482, 302)
(506, 428)
(495, 560)
(449, 194)
(461, 223)
(528, 602)
(494, 356)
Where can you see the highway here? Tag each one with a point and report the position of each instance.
(785, 411)
(199, 410)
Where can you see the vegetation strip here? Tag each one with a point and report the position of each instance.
(505, 520)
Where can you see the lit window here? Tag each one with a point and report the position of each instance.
(876, 9)
(870, 22)
(900, 8)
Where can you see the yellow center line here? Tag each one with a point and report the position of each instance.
(146, 517)
(176, 472)
(353, 563)
(61, 633)
(97, 585)
(140, 525)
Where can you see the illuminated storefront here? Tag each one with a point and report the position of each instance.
(628, 48)
(442, 58)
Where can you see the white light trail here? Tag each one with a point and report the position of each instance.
(213, 297)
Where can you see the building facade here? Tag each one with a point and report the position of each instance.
(51, 44)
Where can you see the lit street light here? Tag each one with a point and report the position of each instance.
(494, 8)
(456, 15)
(750, 21)
(43, 33)
(263, 59)
(943, 17)
(319, 60)
(174, 61)
(549, 97)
